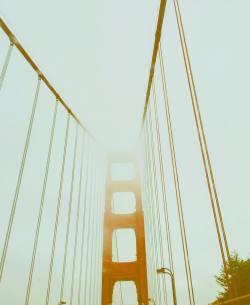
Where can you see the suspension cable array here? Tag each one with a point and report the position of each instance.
(57, 242)
(77, 171)
(155, 180)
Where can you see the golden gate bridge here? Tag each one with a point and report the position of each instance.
(78, 263)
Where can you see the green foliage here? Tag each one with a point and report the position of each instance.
(238, 282)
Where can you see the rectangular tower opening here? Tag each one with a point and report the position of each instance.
(123, 203)
(124, 293)
(124, 245)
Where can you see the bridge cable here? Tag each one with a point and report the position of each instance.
(203, 143)
(147, 217)
(154, 255)
(176, 183)
(100, 246)
(164, 192)
(95, 238)
(6, 64)
(37, 70)
(163, 183)
(57, 211)
(150, 254)
(156, 191)
(19, 181)
(98, 250)
(41, 208)
(97, 253)
(83, 224)
(88, 230)
(69, 216)
(152, 212)
(94, 226)
(77, 227)
(93, 229)
(158, 31)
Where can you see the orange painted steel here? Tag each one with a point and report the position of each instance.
(20, 48)
(158, 31)
(135, 271)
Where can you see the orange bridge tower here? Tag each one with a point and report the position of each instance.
(114, 271)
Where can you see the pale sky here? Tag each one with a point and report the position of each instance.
(97, 54)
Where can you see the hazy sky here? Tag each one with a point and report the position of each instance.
(97, 54)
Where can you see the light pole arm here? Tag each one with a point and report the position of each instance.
(167, 271)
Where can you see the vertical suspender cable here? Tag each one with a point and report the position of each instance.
(97, 249)
(203, 143)
(103, 180)
(57, 212)
(40, 213)
(93, 228)
(99, 244)
(90, 190)
(156, 190)
(163, 183)
(147, 219)
(65, 257)
(99, 227)
(152, 210)
(76, 228)
(149, 214)
(152, 220)
(84, 223)
(19, 181)
(6, 64)
(91, 231)
(164, 192)
(177, 184)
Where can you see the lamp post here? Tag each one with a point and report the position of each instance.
(170, 273)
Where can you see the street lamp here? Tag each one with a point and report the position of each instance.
(167, 271)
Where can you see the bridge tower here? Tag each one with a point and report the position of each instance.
(134, 271)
